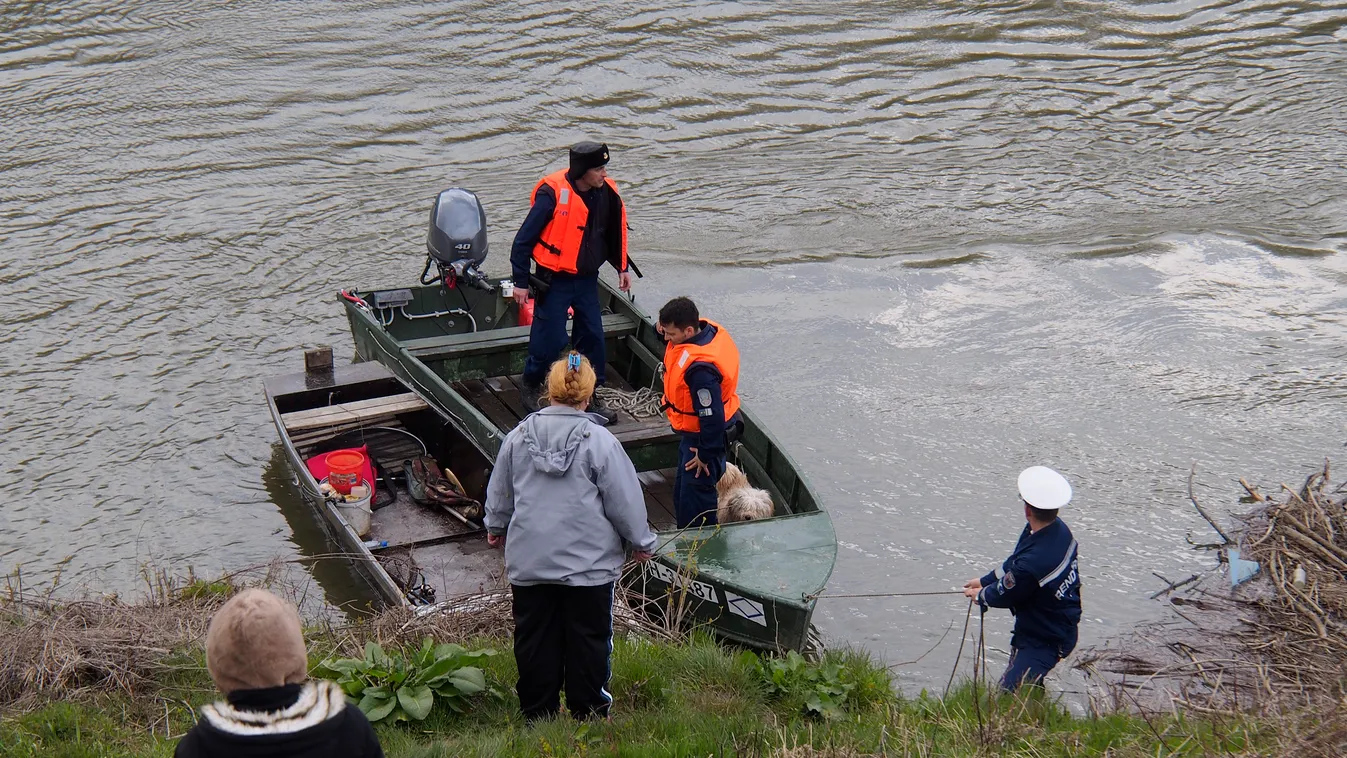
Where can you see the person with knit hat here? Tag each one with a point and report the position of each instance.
(1039, 582)
(575, 224)
(256, 656)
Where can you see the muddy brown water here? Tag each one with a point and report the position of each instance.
(952, 241)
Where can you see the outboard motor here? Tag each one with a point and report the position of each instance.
(456, 242)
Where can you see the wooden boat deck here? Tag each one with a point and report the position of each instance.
(499, 398)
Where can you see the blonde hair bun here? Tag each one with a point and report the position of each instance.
(568, 384)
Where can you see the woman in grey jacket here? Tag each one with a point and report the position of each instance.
(563, 499)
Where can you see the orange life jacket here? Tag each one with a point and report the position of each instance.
(720, 352)
(558, 247)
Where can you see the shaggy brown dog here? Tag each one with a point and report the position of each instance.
(737, 500)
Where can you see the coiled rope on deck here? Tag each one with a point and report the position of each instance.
(641, 403)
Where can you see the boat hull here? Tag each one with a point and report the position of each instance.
(733, 597)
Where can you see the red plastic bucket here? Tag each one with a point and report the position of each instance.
(343, 469)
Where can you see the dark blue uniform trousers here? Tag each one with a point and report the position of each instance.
(548, 335)
(1028, 665)
(695, 496)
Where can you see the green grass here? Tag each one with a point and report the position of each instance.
(696, 698)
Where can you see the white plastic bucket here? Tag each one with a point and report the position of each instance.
(358, 513)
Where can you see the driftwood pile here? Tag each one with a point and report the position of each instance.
(1299, 540)
(1276, 644)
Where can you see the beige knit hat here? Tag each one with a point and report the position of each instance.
(255, 642)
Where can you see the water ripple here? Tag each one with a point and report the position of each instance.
(187, 183)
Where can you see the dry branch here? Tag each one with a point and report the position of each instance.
(1275, 644)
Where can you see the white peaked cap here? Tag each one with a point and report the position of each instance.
(1044, 488)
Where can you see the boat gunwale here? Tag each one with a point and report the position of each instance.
(378, 335)
(345, 533)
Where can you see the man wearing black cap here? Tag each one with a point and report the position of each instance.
(576, 222)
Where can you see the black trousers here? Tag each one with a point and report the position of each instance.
(563, 635)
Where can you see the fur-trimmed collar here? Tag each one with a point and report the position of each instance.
(319, 701)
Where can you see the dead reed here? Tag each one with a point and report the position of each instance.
(57, 648)
(54, 648)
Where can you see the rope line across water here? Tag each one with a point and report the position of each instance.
(890, 594)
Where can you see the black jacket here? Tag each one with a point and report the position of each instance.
(319, 724)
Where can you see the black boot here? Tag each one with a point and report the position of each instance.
(597, 405)
(529, 394)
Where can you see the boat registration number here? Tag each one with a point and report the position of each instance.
(666, 574)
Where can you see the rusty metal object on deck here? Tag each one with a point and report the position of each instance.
(427, 483)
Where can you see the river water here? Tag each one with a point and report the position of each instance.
(952, 240)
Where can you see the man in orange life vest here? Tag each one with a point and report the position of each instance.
(576, 222)
(701, 400)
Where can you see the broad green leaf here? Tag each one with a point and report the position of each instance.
(416, 701)
(377, 708)
(469, 680)
(343, 665)
(449, 649)
(373, 652)
(453, 703)
(439, 669)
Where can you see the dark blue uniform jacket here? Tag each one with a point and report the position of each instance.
(1040, 584)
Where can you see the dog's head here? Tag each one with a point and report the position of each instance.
(748, 505)
(731, 480)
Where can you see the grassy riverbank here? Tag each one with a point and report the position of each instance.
(682, 698)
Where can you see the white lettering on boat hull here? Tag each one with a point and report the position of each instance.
(666, 574)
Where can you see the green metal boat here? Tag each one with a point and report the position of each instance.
(456, 339)
(752, 582)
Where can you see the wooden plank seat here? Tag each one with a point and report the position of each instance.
(353, 412)
(497, 340)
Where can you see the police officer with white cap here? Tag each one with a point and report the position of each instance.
(1039, 582)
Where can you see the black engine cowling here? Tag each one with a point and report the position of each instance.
(456, 240)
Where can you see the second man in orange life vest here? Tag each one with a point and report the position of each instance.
(576, 223)
(701, 400)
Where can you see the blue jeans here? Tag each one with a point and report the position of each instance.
(547, 338)
(1028, 665)
(695, 496)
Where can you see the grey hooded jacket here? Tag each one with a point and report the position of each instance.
(566, 497)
